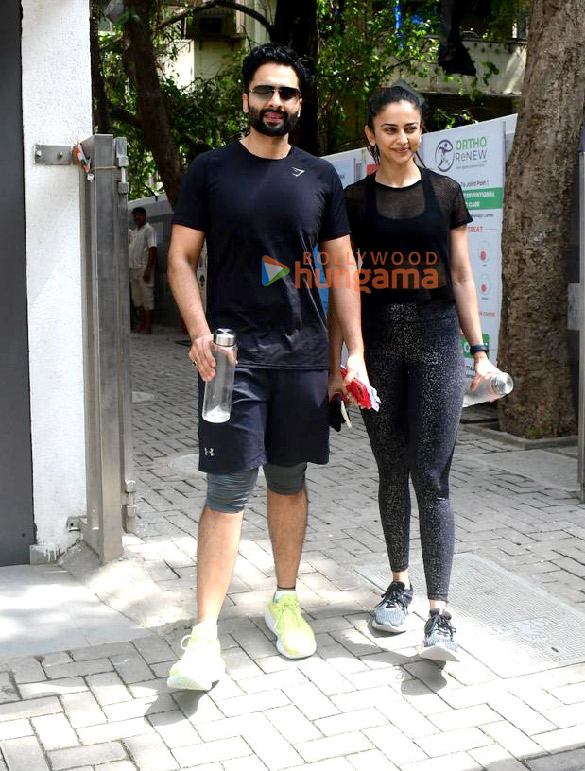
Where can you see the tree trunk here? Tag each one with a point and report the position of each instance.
(295, 25)
(151, 105)
(541, 172)
(101, 113)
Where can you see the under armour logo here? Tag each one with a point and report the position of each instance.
(297, 172)
(210, 451)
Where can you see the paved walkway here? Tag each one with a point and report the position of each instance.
(365, 701)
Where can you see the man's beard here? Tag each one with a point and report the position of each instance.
(256, 119)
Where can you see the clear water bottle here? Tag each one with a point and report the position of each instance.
(489, 389)
(217, 400)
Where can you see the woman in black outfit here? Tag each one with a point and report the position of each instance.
(409, 229)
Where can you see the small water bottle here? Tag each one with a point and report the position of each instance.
(489, 389)
(217, 401)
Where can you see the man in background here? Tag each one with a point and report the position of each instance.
(142, 252)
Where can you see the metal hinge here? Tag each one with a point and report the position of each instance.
(121, 159)
(129, 506)
(74, 524)
(54, 155)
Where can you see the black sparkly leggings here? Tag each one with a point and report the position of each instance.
(415, 361)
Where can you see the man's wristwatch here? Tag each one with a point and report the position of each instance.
(483, 347)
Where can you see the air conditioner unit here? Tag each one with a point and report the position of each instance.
(217, 24)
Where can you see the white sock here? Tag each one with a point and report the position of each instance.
(208, 628)
(279, 592)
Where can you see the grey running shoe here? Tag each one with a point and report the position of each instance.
(439, 642)
(389, 615)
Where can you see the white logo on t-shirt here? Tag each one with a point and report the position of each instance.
(297, 172)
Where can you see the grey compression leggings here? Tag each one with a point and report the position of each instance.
(415, 361)
(229, 493)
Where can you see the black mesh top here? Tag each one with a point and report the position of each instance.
(408, 202)
(402, 237)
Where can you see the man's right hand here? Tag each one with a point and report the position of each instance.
(336, 384)
(201, 353)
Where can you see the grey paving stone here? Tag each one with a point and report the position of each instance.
(114, 731)
(53, 659)
(7, 690)
(226, 749)
(496, 758)
(30, 708)
(149, 705)
(78, 668)
(334, 746)
(154, 649)
(174, 729)
(82, 709)
(15, 729)
(24, 755)
(150, 753)
(103, 651)
(78, 756)
(149, 687)
(271, 747)
(116, 765)
(27, 670)
(131, 667)
(563, 761)
(108, 688)
(52, 687)
(561, 740)
(54, 731)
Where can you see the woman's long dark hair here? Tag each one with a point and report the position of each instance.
(381, 99)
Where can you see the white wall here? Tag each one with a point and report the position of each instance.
(209, 58)
(205, 59)
(509, 58)
(57, 110)
(182, 69)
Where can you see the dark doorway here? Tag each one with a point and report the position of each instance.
(16, 497)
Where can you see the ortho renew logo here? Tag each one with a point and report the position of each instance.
(272, 270)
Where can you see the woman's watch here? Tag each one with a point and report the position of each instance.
(482, 347)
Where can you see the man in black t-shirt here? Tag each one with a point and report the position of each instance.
(262, 206)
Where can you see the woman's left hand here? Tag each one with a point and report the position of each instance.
(483, 368)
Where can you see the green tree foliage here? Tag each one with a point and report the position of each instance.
(364, 47)
(205, 114)
(505, 14)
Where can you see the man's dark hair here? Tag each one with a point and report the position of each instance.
(139, 210)
(277, 54)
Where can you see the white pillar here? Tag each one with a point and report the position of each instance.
(56, 83)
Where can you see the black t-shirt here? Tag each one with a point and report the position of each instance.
(250, 208)
(402, 237)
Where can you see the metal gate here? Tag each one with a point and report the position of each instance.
(16, 488)
(108, 403)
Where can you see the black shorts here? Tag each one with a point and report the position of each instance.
(279, 416)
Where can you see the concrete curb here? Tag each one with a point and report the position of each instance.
(491, 430)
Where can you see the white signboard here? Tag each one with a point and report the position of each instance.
(475, 157)
(350, 166)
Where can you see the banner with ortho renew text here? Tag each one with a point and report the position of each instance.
(475, 157)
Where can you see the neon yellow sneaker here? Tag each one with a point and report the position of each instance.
(201, 664)
(295, 638)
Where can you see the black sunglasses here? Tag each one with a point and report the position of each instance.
(287, 93)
